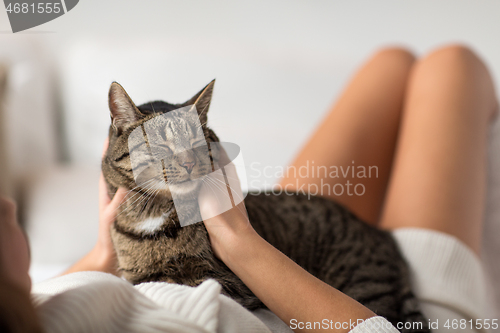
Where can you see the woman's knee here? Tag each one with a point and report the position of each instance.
(395, 57)
(455, 53)
(457, 57)
(457, 67)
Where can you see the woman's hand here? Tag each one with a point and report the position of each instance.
(227, 229)
(226, 222)
(103, 252)
(102, 257)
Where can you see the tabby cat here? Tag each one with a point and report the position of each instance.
(318, 234)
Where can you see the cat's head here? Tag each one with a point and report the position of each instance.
(175, 135)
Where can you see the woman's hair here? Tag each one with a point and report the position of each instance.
(17, 314)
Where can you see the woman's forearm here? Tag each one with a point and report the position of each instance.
(288, 290)
(96, 260)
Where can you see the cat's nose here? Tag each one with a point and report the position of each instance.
(188, 166)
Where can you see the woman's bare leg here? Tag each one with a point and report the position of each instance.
(362, 127)
(439, 174)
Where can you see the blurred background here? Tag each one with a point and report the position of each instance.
(279, 65)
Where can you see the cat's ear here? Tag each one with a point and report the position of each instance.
(202, 101)
(123, 110)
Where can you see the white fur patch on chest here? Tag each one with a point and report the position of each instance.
(152, 224)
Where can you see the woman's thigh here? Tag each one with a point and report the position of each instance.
(359, 131)
(439, 173)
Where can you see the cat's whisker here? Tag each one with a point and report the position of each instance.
(213, 181)
(155, 192)
(219, 187)
(140, 198)
(138, 186)
(230, 177)
(210, 187)
(133, 189)
(234, 193)
(223, 182)
(130, 197)
(143, 197)
(133, 207)
(202, 124)
(204, 110)
(154, 111)
(148, 197)
(155, 195)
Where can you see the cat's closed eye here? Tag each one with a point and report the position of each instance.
(199, 143)
(161, 150)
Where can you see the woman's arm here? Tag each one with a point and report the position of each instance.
(284, 287)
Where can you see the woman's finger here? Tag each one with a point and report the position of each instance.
(106, 145)
(120, 195)
(104, 199)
